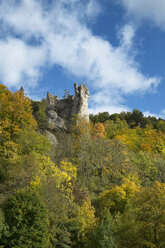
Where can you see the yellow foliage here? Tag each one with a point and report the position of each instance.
(130, 138)
(80, 126)
(85, 219)
(110, 197)
(147, 139)
(15, 113)
(10, 152)
(116, 198)
(86, 214)
(63, 176)
(35, 183)
(69, 168)
(130, 187)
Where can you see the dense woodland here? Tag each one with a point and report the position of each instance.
(102, 186)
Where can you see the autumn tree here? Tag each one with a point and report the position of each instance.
(20, 144)
(15, 113)
(150, 216)
(99, 130)
(142, 224)
(116, 199)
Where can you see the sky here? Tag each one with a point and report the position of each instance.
(114, 47)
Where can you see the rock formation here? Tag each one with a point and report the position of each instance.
(61, 111)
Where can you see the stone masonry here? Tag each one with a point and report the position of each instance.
(61, 111)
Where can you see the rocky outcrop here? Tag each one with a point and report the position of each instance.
(61, 111)
(55, 122)
(52, 138)
(80, 103)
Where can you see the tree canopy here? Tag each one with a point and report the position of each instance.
(102, 185)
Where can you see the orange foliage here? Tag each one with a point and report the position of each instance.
(99, 130)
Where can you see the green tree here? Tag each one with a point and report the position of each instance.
(117, 198)
(143, 222)
(27, 222)
(39, 112)
(147, 166)
(160, 126)
(100, 117)
(66, 94)
(114, 128)
(150, 216)
(2, 224)
(102, 236)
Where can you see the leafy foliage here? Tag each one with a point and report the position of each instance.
(26, 222)
(15, 113)
(103, 235)
(39, 112)
(134, 119)
(101, 186)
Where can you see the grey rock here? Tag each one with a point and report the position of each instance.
(61, 111)
(80, 103)
(55, 122)
(52, 138)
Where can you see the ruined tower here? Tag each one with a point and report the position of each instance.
(61, 111)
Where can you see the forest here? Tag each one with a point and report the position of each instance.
(102, 186)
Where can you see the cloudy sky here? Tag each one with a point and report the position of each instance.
(115, 47)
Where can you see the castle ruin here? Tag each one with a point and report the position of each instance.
(61, 111)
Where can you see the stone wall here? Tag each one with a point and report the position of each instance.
(61, 111)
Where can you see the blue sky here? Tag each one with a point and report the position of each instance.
(115, 47)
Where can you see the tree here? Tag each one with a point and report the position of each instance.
(147, 166)
(99, 130)
(102, 236)
(160, 126)
(82, 223)
(15, 113)
(118, 164)
(150, 216)
(26, 220)
(100, 117)
(39, 112)
(2, 224)
(143, 222)
(116, 199)
(21, 160)
(66, 94)
(114, 128)
(136, 118)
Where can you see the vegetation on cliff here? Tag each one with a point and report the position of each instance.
(103, 185)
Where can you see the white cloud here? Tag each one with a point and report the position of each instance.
(18, 61)
(160, 115)
(148, 113)
(93, 9)
(62, 37)
(126, 35)
(107, 101)
(153, 10)
(108, 108)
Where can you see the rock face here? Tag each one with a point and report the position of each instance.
(61, 111)
(52, 138)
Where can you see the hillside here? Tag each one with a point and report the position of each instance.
(101, 183)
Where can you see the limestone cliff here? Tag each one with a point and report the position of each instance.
(61, 111)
